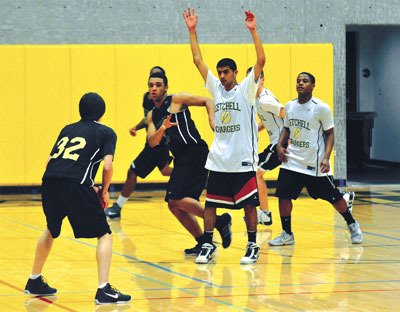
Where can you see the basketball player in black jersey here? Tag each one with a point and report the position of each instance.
(171, 119)
(146, 161)
(68, 191)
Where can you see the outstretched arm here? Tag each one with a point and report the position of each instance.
(250, 22)
(191, 19)
(187, 99)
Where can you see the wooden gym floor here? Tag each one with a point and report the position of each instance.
(323, 271)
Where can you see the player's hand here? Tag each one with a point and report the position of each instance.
(104, 198)
(190, 18)
(168, 123)
(325, 166)
(250, 20)
(282, 153)
(132, 131)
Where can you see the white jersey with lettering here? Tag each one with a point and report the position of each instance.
(234, 148)
(307, 123)
(268, 109)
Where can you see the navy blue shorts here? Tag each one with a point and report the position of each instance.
(79, 203)
(189, 176)
(290, 184)
(149, 158)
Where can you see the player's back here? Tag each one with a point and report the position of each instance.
(78, 151)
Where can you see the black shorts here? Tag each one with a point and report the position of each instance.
(268, 159)
(62, 198)
(232, 190)
(189, 176)
(149, 158)
(290, 184)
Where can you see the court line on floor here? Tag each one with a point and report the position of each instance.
(43, 299)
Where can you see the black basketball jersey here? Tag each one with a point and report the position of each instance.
(184, 133)
(78, 151)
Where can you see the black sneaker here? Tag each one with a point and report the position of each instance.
(193, 251)
(109, 294)
(224, 229)
(39, 287)
(114, 211)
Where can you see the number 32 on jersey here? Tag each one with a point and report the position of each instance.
(70, 151)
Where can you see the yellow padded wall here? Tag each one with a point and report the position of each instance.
(41, 86)
(12, 115)
(47, 95)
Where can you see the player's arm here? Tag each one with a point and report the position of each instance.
(106, 179)
(282, 112)
(260, 126)
(283, 141)
(191, 20)
(154, 136)
(187, 99)
(329, 142)
(140, 125)
(250, 22)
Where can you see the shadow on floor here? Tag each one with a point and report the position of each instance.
(373, 174)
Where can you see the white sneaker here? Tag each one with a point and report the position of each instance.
(206, 253)
(283, 239)
(251, 254)
(355, 232)
(264, 217)
(349, 198)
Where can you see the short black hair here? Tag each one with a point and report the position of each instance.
(311, 76)
(227, 62)
(160, 75)
(158, 69)
(91, 106)
(249, 70)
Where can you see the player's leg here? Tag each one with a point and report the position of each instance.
(54, 211)
(290, 184)
(144, 163)
(264, 216)
(324, 188)
(246, 196)
(88, 220)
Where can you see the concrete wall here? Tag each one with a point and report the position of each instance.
(221, 21)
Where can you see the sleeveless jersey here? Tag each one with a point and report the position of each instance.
(307, 123)
(183, 134)
(78, 151)
(234, 148)
(268, 109)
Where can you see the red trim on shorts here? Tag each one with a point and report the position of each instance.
(248, 188)
(219, 198)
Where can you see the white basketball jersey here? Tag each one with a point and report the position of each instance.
(234, 148)
(307, 123)
(268, 109)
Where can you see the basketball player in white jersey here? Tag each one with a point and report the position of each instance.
(233, 156)
(270, 113)
(308, 123)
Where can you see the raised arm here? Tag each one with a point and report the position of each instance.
(140, 125)
(250, 22)
(191, 19)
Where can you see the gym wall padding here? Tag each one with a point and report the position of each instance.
(40, 87)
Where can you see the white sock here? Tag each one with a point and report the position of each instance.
(122, 200)
(34, 276)
(103, 285)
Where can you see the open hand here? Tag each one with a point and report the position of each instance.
(190, 18)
